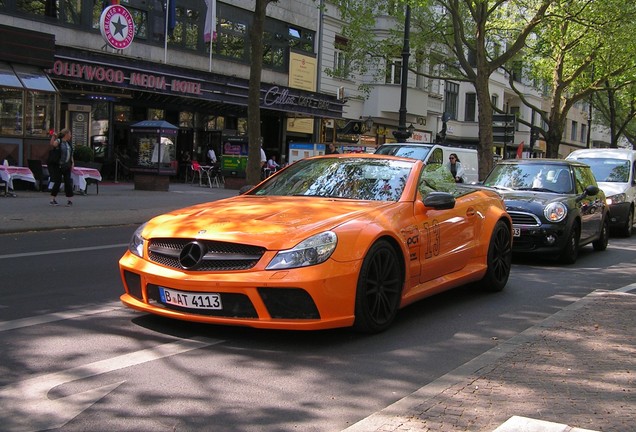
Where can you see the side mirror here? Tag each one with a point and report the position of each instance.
(591, 190)
(439, 200)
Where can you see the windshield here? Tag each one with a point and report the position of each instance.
(340, 177)
(405, 150)
(608, 170)
(537, 177)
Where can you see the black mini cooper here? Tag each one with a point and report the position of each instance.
(556, 206)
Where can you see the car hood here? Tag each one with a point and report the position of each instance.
(529, 200)
(612, 188)
(270, 222)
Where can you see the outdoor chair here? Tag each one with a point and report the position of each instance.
(41, 178)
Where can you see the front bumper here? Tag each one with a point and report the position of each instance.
(543, 239)
(619, 214)
(308, 298)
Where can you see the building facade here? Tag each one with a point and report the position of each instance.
(100, 90)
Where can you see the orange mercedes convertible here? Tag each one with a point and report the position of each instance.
(330, 241)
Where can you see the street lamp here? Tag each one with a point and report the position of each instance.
(402, 134)
(410, 129)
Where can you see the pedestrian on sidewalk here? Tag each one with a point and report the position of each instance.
(62, 170)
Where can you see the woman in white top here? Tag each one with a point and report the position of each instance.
(455, 168)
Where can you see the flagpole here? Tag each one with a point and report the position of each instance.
(165, 44)
(212, 28)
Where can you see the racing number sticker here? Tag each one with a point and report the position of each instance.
(433, 239)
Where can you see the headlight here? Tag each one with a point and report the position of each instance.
(312, 251)
(616, 199)
(555, 212)
(136, 244)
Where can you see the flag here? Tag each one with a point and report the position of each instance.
(106, 3)
(209, 33)
(171, 16)
(520, 150)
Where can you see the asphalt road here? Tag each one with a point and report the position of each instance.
(74, 359)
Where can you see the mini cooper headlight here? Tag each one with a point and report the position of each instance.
(136, 244)
(555, 212)
(314, 250)
(616, 199)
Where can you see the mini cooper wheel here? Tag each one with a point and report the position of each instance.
(379, 289)
(600, 244)
(499, 259)
(571, 249)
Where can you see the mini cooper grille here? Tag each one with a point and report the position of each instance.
(216, 256)
(525, 219)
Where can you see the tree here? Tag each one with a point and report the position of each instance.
(573, 53)
(616, 109)
(254, 92)
(469, 39)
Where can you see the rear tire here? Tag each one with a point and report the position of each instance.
(379, 289)
(499, 259)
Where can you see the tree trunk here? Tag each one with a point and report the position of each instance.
(254, 93)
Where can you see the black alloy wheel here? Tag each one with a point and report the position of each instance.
(600, 244)
(379, 289)
(571, 249)
(499, 260)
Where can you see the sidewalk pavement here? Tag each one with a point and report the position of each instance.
(116, 204)
(576, 371)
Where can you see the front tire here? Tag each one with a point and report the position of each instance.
(499, 259)
(379, 289)
(571, 250)
(600, 244)
(628, 229)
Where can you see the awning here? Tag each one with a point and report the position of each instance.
(27, 77)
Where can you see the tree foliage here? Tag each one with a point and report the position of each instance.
(574, 55)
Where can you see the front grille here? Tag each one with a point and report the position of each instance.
(219, 256)
(525, 219)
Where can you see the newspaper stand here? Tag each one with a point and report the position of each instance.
(154, 147)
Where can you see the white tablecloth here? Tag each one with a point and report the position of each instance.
(80, 174)
(10, 173)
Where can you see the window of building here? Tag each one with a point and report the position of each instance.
(156, 114)
(394, 72)
(231, 38)
(11, 111)
(300, 39)
(274, 46)
(340, 57)
(451, 96)
(39, 109)
(583, 132)
(122, 113)
(494, 100)
(186, 30)
(67, 11)
(471, 107)
(574, 136)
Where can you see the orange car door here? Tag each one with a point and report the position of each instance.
(446, 237)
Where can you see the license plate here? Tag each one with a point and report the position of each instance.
(516, 232)
(190, 300)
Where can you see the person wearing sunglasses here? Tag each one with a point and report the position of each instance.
(455, 167)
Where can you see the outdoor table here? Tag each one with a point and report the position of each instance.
(81, 174)
(10, 173)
